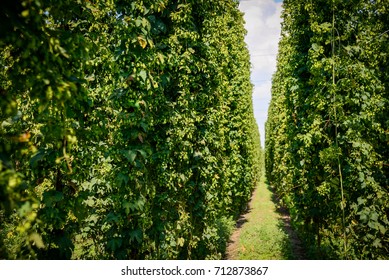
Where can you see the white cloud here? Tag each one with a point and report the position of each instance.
(263, 24)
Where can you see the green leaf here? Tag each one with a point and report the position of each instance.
(136, 235)
(316, 47)
(90, 201)
(36, 158)
(37, 240)
(138, 22)
(143, 75)
(114, 244)
(143, 153)
(130, 155)
(51, 197)
(127, 206)
(111, 217)
(181, 242)
(122, 179)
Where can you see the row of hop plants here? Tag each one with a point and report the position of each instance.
(327, 132)
(127, 128)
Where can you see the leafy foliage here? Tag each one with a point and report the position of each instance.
(327, 130)
(127, 128)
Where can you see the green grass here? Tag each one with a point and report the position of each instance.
(262, 236)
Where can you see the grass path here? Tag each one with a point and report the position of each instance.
(264, 233)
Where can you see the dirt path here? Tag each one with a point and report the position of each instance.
(298, 251)
(264, 231)
(232, 251)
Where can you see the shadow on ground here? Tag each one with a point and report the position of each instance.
(292, 248)
(231, 248)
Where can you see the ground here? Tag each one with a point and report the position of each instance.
(264, 231)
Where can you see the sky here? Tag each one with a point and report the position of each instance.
(263, 25)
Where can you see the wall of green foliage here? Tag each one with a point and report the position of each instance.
(127, 128)
(327, 129)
